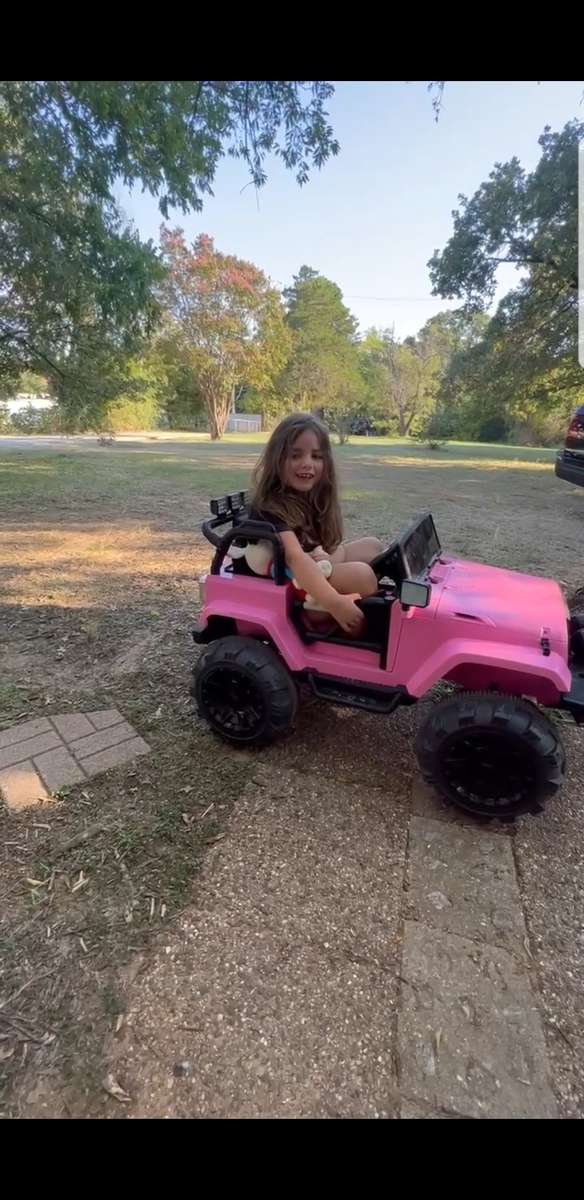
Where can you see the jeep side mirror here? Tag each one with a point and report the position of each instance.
(415, 595)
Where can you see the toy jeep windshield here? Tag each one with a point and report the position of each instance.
(503, 640)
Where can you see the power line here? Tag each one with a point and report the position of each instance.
(396, 299)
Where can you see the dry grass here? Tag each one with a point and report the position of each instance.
(99, 553)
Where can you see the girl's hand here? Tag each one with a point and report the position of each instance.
(345, 611)
(319, 554)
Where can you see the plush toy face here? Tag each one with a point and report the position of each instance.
(258, 556)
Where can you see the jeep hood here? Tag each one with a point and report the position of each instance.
(507, 605)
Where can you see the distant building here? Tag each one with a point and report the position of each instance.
(23, 400)
(244, 423)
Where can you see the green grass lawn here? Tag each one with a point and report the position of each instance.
(199, 468)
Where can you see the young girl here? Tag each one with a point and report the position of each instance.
(295, 488)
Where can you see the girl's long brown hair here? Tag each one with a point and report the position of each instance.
(318, 513)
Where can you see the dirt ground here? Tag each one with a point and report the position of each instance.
(99, 553)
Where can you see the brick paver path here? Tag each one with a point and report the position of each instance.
(48, 753)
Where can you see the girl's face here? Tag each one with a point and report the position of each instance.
(304, 463)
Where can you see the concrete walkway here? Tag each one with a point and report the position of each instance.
(470, 1037)
(39, 757)
(345, 957)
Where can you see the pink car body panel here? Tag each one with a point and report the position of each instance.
(484, 627)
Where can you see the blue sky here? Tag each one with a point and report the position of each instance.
(372, 217)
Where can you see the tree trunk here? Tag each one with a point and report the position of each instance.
(218, 412)
(401, 419)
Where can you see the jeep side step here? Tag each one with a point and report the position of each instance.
(352, 694)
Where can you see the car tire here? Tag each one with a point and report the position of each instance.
(244, 691)
(491, 755)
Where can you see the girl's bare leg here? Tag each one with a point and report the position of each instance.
(349, 577)
(351, 571)
(363, 550)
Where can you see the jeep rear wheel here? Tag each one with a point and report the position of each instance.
(243, 690)
(491, 755)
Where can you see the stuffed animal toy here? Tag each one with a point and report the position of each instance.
(259, 558)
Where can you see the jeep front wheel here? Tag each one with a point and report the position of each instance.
(491, 755)
(244, 691)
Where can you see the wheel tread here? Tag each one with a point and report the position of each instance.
(487, 709)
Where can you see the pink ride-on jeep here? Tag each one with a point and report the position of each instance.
(505, 640)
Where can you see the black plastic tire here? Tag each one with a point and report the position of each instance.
(244, 691)
(491, 755)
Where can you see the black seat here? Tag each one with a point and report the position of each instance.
(388, 563)
(377, 612)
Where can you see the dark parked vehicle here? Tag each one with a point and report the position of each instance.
(570, 460)
(362, 427)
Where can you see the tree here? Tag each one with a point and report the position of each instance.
(531, 220)
(77, 290)
(222, 318)
(453, 335)
(323, 369)
(400, 377)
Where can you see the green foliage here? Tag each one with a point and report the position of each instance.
(223, 322)
(169, 135)
(400, 378)
(32, 384)
(94, 378)
(141, 406)
(268, 402)
(35, 420)
(493, 429)
(322, 372)
(529, 219)
(183, 404)
(435, 429)
(78, 285)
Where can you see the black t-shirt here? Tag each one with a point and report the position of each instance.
(306, 539)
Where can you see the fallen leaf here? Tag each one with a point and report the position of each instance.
(112, 1087)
